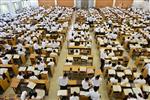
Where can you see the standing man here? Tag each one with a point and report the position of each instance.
(102, 56)
(63, 81)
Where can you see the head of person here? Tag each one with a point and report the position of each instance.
(38, 63)
(20, 73)
(65, 75)
(130, 94)
(5, 58)
(119, 63)
(32, 74)
(95, 89)
(75, 94)
(109, 62)
(141, 77)
(97, 77)
(123, 77)
(86, 79)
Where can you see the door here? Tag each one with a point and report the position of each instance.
(84, 4)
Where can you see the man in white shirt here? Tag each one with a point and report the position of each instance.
(63, 81)
(74, 96)
(36, 47)
(20, 76)
(148, 68)
(40, 66)
(33, 77)
(94, 95)
(5, 60)
(23, 95)
(103, 56)
(86, 85)
(96, 81)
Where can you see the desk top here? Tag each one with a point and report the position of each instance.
(15, 82)
(127, 91)
(72, 82)
(117, 88)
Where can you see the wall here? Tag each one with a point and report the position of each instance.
(103, 3)
(10, 6)
(123, 3)
(141, 4)
(67, 3)
(46, 3)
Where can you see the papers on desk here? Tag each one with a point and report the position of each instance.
(44, 72)
(3, 70)
(36, 72)
(116, 88)
(31, 85)
(114, 58)
(48, 49)
(9, 56)
(84, 57)
(31, 68)
(48, 59)
(75, 89)
(111, 72)
(70, 58)
(128, 72)
(137, 90)
(120, 74)
(146, 88)
(84, 93)
(16, 56)
(90, 71)
(127, 91)
(83, 69)
(62, 93)
(22, 68)
(146, 60)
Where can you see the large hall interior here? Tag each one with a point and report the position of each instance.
(74, 49)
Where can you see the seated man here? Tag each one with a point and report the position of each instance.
(96, 81)
(94, 95)
(74, 96)
(33, 77)
(86, 85)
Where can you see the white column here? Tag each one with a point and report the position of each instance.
(74, 3)
(56, 3)
(94, 3)
(114, 2)
(11, 8)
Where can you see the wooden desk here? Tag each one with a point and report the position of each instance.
(72, 82)
(13, 67)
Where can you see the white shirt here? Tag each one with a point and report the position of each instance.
(85, 85)
(74, 98)
(43, 44)
(94, 95)
(113, 80)
(96, 82)
(148, 68)
(40, 66)
(103, 55)
(51, 63)
(36, 46)
(33, 78)
(63, 81)
(23, 95)
(5, 61)
(20, 77)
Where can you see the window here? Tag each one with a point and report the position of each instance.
(4, 8)
(16, 6)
